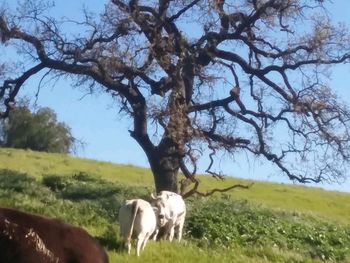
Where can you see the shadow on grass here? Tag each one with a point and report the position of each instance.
(84, 186)
(80, 193)
(19, 183)
(109, 239)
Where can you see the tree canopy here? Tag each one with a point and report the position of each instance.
(200, 77)
(38, 131)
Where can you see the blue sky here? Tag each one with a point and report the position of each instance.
(94, 120)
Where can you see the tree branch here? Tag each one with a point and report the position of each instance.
(213, 191)
(13, 87)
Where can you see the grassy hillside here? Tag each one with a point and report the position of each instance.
(267, 223)
(330, 205)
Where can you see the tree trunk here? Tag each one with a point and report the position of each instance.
(165, 158)
(165, 170)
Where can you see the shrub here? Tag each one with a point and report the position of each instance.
(230, 223)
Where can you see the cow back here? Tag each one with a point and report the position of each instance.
(29, 238)
(174, 202)
(144, 221)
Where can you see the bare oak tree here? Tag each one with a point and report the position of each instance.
(199, 77)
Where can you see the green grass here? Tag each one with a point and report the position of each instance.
(267, 223)
(37, 164)
(187, 252)
(317, 202)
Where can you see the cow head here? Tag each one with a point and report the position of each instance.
(161, 209)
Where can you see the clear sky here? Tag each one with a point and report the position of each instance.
(95, 121)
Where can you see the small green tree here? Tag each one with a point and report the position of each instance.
(39, 131)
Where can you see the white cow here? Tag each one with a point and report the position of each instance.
(171, 213)
(137, 220)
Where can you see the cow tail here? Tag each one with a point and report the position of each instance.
(134, 209)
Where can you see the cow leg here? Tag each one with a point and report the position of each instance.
(179, 235)
(179, 229)
(155, 234)
(145, 241)
(177, 232)
(171, 233)
(138, 245)
(128, 245)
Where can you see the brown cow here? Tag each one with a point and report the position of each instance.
(27, 238)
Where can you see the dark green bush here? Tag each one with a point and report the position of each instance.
(228, 223)
(15, 181)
